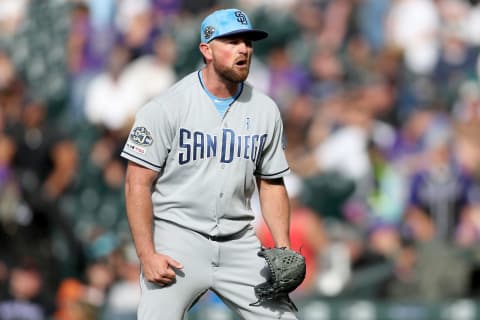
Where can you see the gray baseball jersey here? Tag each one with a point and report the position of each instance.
(207, 164)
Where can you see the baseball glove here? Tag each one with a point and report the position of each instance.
(287, 271)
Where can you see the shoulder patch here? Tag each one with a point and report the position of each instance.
(135, 148)
(141, 136)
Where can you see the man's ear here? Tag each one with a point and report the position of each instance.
(206, 51)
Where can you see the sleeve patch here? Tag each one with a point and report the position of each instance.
(141, 136)
(135, 148)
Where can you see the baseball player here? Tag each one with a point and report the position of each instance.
(195, 154)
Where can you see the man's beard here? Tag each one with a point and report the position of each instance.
(232, 74)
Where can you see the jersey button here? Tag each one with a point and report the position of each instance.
(221, 195)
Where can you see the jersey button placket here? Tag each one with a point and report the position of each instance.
(220, 173)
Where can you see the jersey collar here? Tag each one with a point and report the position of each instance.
(200, 79)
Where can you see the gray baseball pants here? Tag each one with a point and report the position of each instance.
(231, 269)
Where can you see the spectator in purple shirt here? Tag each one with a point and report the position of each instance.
(440, 189)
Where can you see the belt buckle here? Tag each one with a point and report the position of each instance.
(212, 238)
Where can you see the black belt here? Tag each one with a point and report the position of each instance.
(220, 238)
(227, 237)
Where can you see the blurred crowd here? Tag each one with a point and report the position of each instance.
(381, 107)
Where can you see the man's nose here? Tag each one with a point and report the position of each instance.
(244, 46)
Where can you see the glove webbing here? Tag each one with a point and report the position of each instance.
(286, 299)
(283, 298)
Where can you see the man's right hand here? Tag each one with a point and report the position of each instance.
(159, 269)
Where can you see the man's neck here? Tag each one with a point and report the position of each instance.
(218, 86)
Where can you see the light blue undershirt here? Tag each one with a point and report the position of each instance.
(221, 104)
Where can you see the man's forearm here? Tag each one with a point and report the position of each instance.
(276, 211)
(140, 218)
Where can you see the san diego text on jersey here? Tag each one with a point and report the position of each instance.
(196, 145)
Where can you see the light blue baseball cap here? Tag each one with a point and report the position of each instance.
(228, 22)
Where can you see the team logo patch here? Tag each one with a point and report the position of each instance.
(141, 136)
(208, 32)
